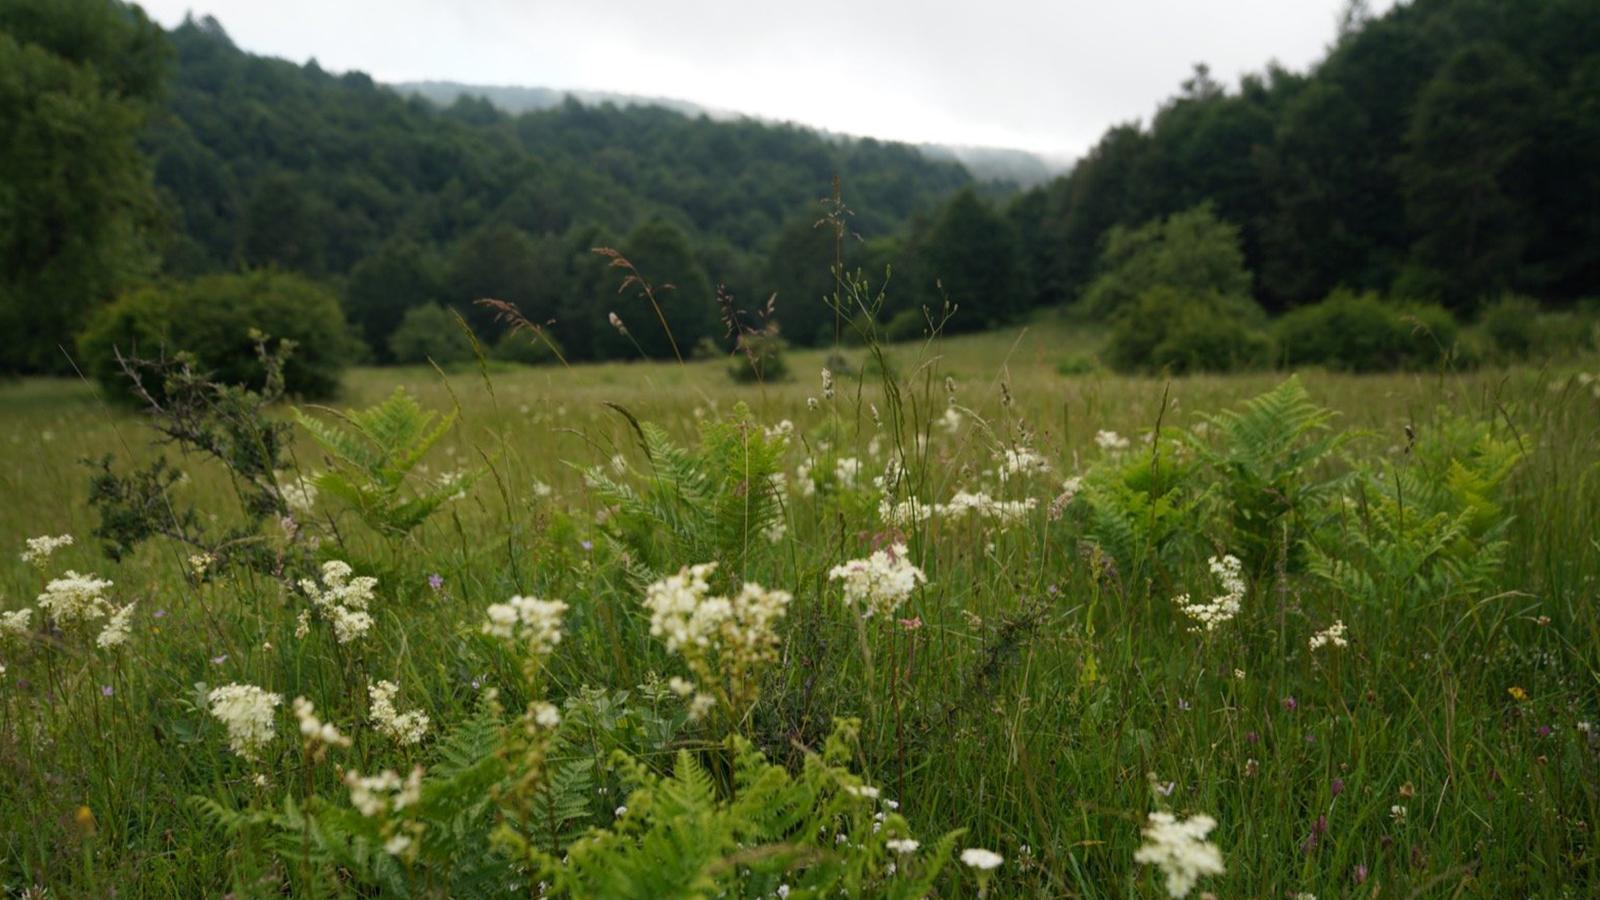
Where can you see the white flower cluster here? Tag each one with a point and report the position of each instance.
(879, 583)
(40, 548)
(75, 598)
(1179, 849)
(318, 734)
(404, 729)
(1222, 607)
(1019, 462)
(247, 712)
(981, 859)
(342, 600)
(1110, 441)
(912, 511)
(951, 420)
(15, 623)
(299, 493)
(115, 634)
(535, 622)
(728, 637)
(374, 795)
(1333, 634)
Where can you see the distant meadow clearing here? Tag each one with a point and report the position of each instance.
(973, 626)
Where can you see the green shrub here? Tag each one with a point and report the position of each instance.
(1169, 330)
(759, 357)
(214, 318)
(906, 325)
(1512, 326)
(429, 332)
(1077, 364)
(529, 349)
(1364, 333)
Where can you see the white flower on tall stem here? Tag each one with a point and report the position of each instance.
(1179, 849)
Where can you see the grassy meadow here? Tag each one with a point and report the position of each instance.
(1040, 694)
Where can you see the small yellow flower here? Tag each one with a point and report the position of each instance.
(1517, 693)
(84, 818)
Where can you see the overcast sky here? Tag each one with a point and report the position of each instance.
(1041, 76)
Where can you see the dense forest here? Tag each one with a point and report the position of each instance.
(1447, 151)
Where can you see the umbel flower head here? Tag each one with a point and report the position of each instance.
(74, 598)
(1222, 607)
(725, 640)
(1179, 849)
(879, 583)
(40, 548)
(247, 711)
(342, 600)
(535, 622)
(115, 634)
(404, 729)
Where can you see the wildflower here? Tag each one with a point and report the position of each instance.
(318, 734)
(1180, 850)
(200, 563)
(827, 384)
(1517, 694)
(1333, 634)
(535, 622)
(105, 690)
(40, 548)
(299, 494)
(951, 420)
(700, 706)
(1020, 461)
(981, 859)
(902, 845)
(74, 597)
(616, 322)
(811, 404)
(879, 583)
(15, 622)
(436, 582)
(116, 631)
(404, 729)
(1222, 607)
(845, 469)
(374, 795)
(864, 791)
(342, 600)
(246, 710)
(1110, 441)
(1397, 813)
(546, 715)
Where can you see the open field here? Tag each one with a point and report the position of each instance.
(1042, 690)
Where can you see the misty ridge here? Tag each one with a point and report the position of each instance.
(1017, 167)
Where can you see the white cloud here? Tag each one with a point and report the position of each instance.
(1042, 76)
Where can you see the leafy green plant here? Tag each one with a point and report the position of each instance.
(375, 452)
(1364, 333)
(1138, 507)
(707, 503)
(1433, 528)
(1269, 458)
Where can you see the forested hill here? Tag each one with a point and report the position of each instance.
(1448, 150)
(263, 162)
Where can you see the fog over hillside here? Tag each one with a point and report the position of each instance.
(1019, 167)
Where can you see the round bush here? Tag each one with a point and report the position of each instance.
(759, 357)
(1512, 325)
(906, 325)
(526, 348)
(213, 317)
(1363, 333)
(429, 332)
(1170, 330)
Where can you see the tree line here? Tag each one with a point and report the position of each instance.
(1447, 151)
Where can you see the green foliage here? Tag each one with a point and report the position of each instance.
(758, 357)
(1140, 508)
(77, 78)
(1512, 325)
(529, 349)
(1270, 463)
(968, 259)
(383, 287)
(374, 452)
(1431, 529)
(1167, 330)
(906, 325)
(1362, 333)
(216, 318)
(707, 503)
(682, 838)
(429, 333)
(1192, 253)
(226, 423)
